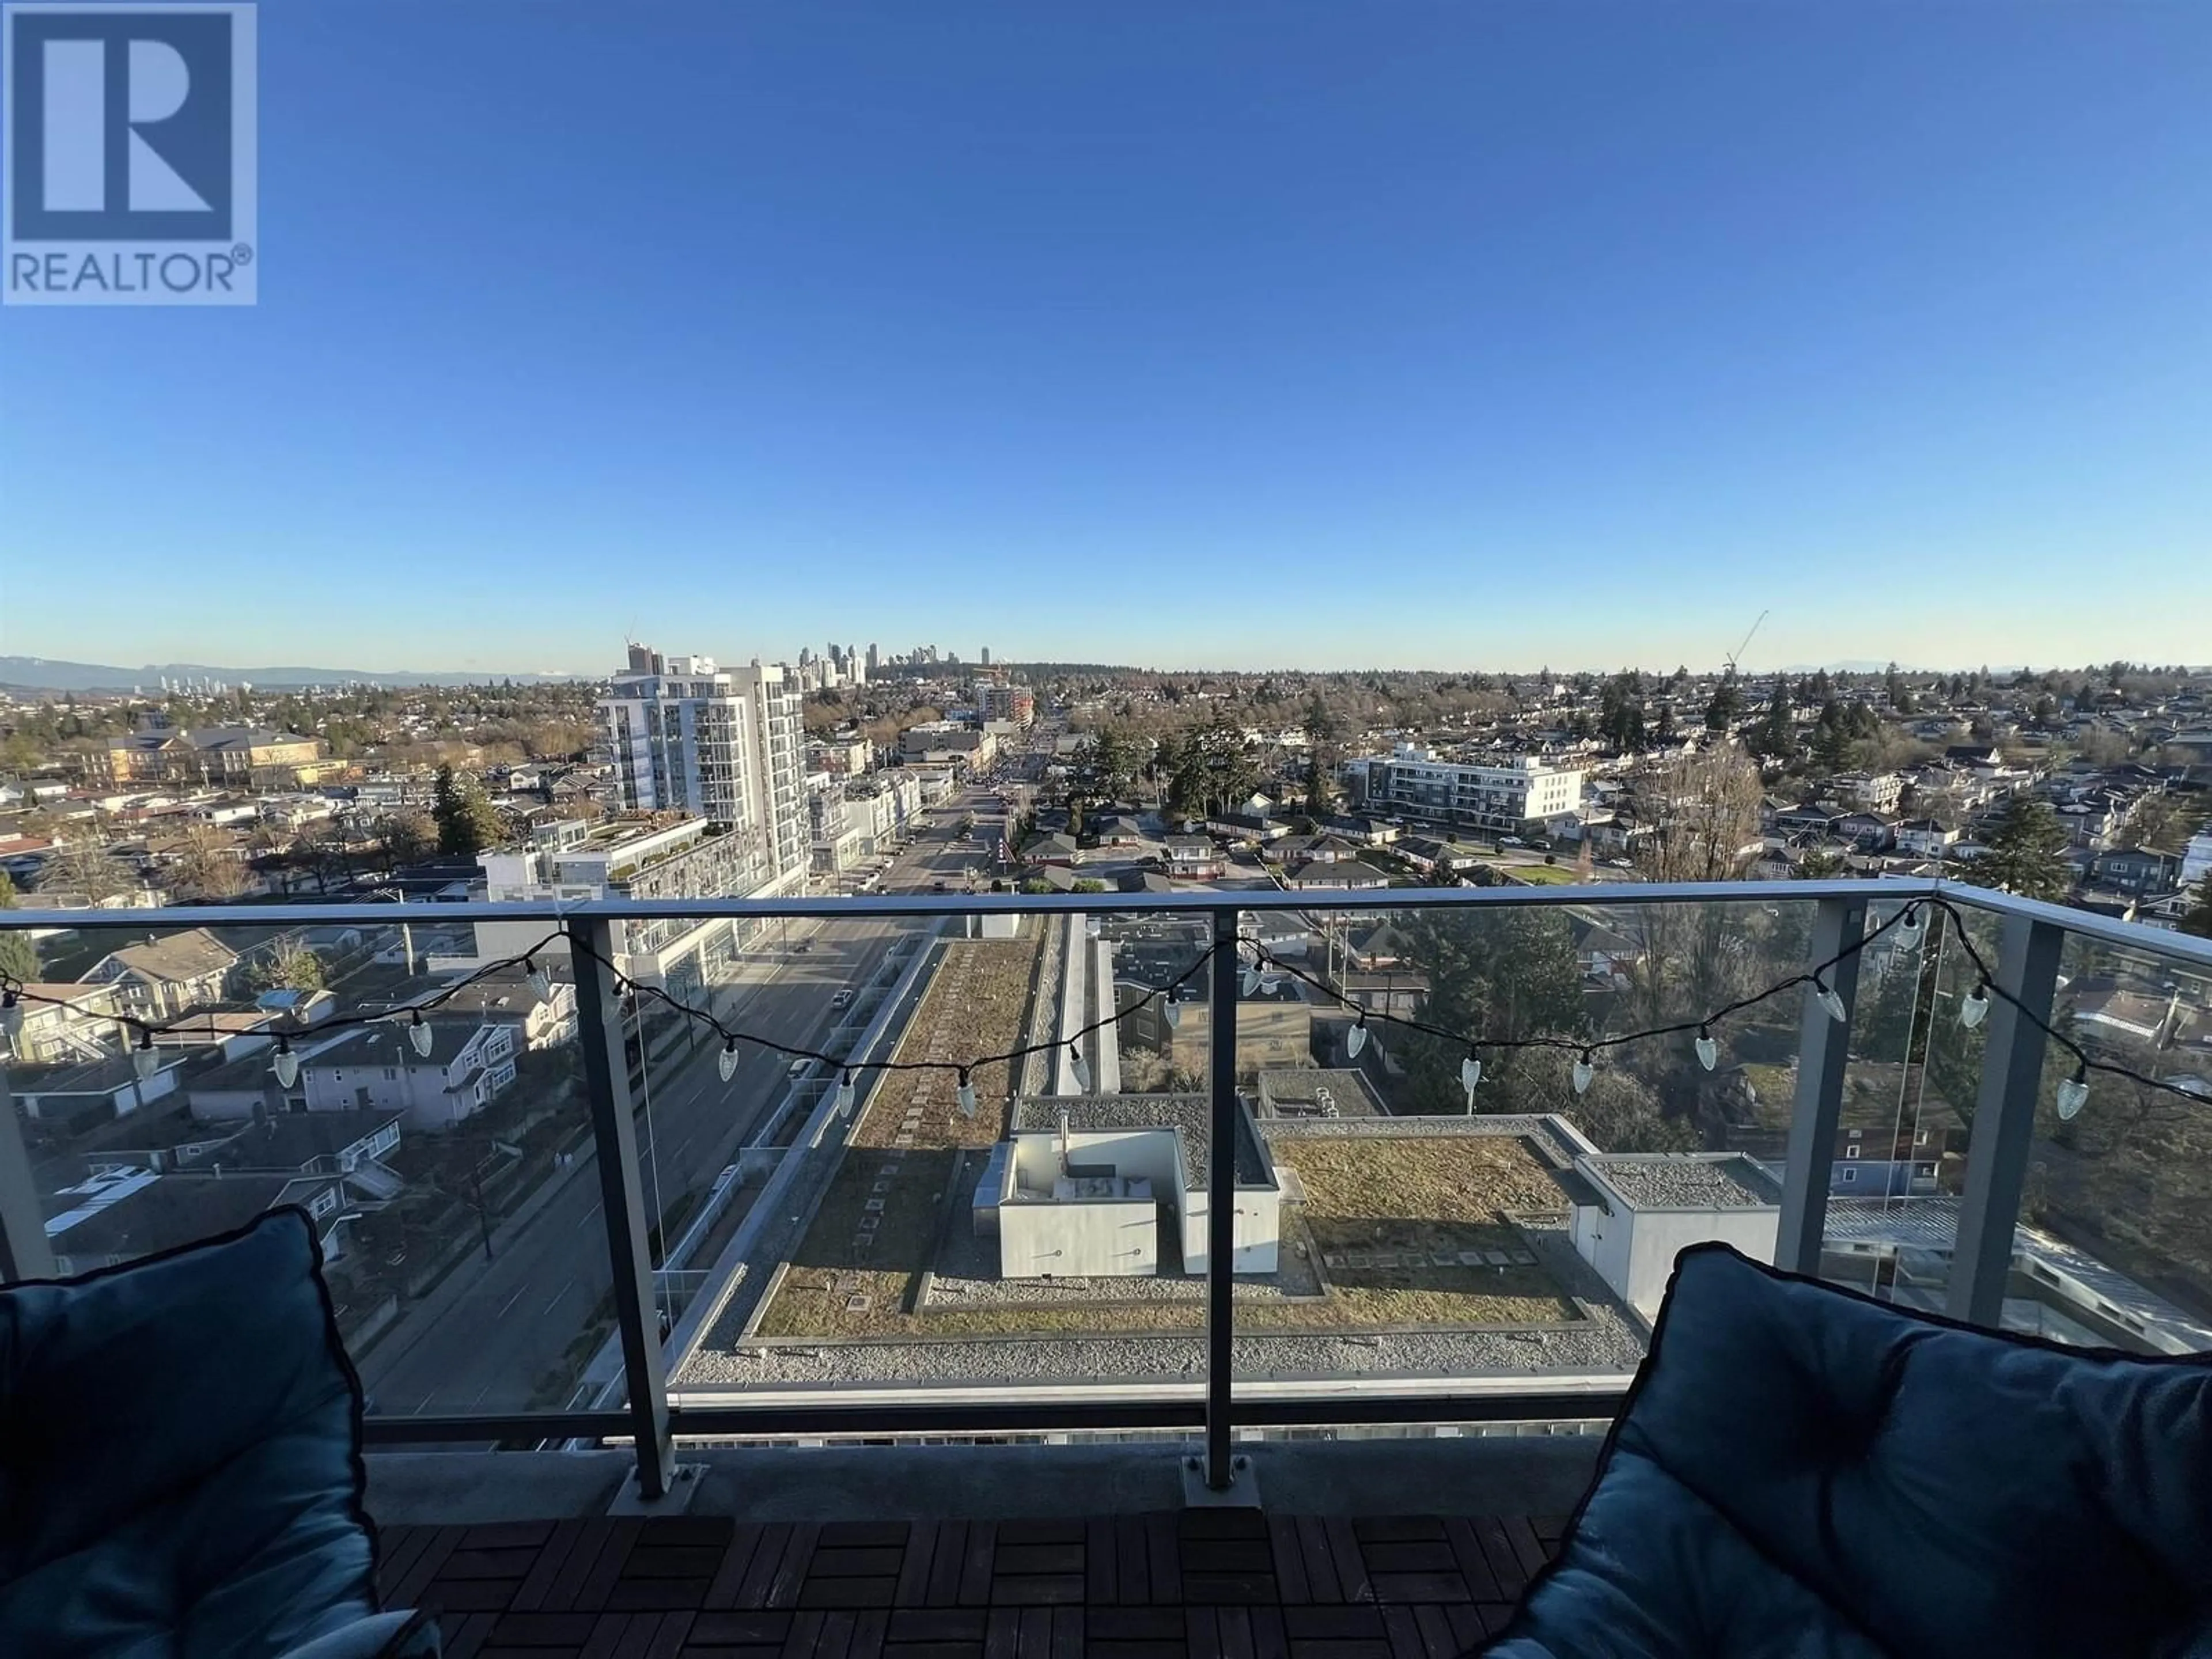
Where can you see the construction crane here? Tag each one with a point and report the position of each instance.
(1746, 645)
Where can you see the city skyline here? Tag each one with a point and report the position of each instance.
(1439, 339)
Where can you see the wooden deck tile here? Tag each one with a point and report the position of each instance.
(1197, 1584)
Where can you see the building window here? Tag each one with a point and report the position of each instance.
(1851, 1175)
(1851, 1151)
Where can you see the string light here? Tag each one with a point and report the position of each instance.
(1973, 1009)
(847, 1093)
(727, 1061)
(1357, 1039)
(966, 1094)
(1173, 1013)
(1585, 1069)
(420, 1036)
(1081, 1069)
(2074, 1092)
(11, 1013)
(1974, 1006)
(286, 1064)
(143, 1060)
(1910, 933)
(1830, 999)
(541, 981)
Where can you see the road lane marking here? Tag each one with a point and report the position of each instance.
(510, 1301)
(569, 1285)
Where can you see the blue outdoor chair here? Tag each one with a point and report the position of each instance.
(180, 1467)
(1802, 1471)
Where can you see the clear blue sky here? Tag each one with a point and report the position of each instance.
(1442, 334)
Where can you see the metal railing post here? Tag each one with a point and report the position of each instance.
(1221, 1201)
(1824, 1044)
(622, 1200)
(24, 1251)
(2004, 1120)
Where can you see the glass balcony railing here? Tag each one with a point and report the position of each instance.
(1246, 1161)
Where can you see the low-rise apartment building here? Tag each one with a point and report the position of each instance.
(1503, 797)
(248, 757)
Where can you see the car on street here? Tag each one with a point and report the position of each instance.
(843, 999)
(798, 1069)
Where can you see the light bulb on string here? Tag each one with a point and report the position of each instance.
(541, 981)
(1080, 1067)
(1470, 1073)
(1172, 1012)
(1357, 1039)
(11, 1013)
(1909, 932)
(286, 1064)
(143, 1060)
(1251, 979)
(1974, 1006)
(420, 1036)
(2074, 1092)
(1585, 1069)
(1830, 999)
(847, 1093)
(966, 1094)
(1709, 1051)
(727, 1061)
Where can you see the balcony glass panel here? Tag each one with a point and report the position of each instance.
(2114, 1245)
(1897, 1167)
(1521, 1239)
(916, 1252)
(453, 1191)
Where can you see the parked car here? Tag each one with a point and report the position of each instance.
(798, 1069)
(843, 999)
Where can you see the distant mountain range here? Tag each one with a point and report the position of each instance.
(46, 674)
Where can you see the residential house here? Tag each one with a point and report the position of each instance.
(1873, 791)
(1246, 826)
(81, 1094)
(1923, 838)
(1865, 832)
(59, 1025)
(505, 999)
(2137, 870)
(470, 1061)
(1878, 1163)
(1192, 858)
(1334, 872)
(167, 975)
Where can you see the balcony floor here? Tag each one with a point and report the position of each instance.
(1241, 1584)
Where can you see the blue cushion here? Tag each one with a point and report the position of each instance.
(180, 1466)
(1803, 1471)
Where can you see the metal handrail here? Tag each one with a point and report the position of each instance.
(2104, 929)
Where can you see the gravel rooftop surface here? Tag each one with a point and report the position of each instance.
(1687, 1185)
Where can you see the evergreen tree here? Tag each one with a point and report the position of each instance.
(1831, 740)
(1727, 703)
(467, 822)
(1776, 738)
(2028, 854)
